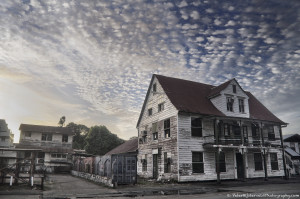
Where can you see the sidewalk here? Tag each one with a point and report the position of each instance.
(67, 185)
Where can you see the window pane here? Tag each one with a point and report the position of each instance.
(167, 124)
(197, 157)
(154, 88)
(234, 88)
(197, 132)
(196, 122)
(198, 168)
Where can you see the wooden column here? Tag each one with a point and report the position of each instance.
(264, 152)
(216, 132)
(32, 163)
(17, 171)
(283, 152)
(244, 163)
(241, 133)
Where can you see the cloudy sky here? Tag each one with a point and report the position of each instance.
(92, 61)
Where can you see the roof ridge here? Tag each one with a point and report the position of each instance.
(176, 78)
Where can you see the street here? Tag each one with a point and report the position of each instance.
(67, 186)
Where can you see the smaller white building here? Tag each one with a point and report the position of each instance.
(6, 141)
(292, 153)
(55, 143)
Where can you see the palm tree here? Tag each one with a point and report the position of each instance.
(62, 121)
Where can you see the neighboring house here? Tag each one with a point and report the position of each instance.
(55, 142)
(292, 152)
(189, 131)
(6, 137)
(7, 157)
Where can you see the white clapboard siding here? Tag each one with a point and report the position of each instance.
(165, 144)
(152, 102)
(220, 101)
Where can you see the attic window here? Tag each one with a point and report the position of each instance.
(154, 88)
(149, 111)
(234, 88)
(161, 107)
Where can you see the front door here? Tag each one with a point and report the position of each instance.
(155, 166)
(239, 166)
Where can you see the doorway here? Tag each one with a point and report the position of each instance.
(239, 166)
(155, 166)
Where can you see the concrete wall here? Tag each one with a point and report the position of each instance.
(92, 177)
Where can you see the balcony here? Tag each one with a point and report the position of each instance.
(233, 141)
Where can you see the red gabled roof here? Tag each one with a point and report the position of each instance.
(193, 97)
(216, 90)
(188, 96)
(259, 111)
(128, 146)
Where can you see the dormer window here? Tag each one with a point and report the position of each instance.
(241, 106)
(230, 101)
(234, 88)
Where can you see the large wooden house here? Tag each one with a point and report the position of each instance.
(189, 131)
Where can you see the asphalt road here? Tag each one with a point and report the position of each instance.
(67, 186)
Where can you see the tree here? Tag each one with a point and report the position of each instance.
(62, 121)
(81, 132)
(100, 140)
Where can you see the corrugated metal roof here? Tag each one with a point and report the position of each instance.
(128, 146)
(292, 153)
(46, 129)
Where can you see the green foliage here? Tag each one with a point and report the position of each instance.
(81, 132)
(100, 140)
